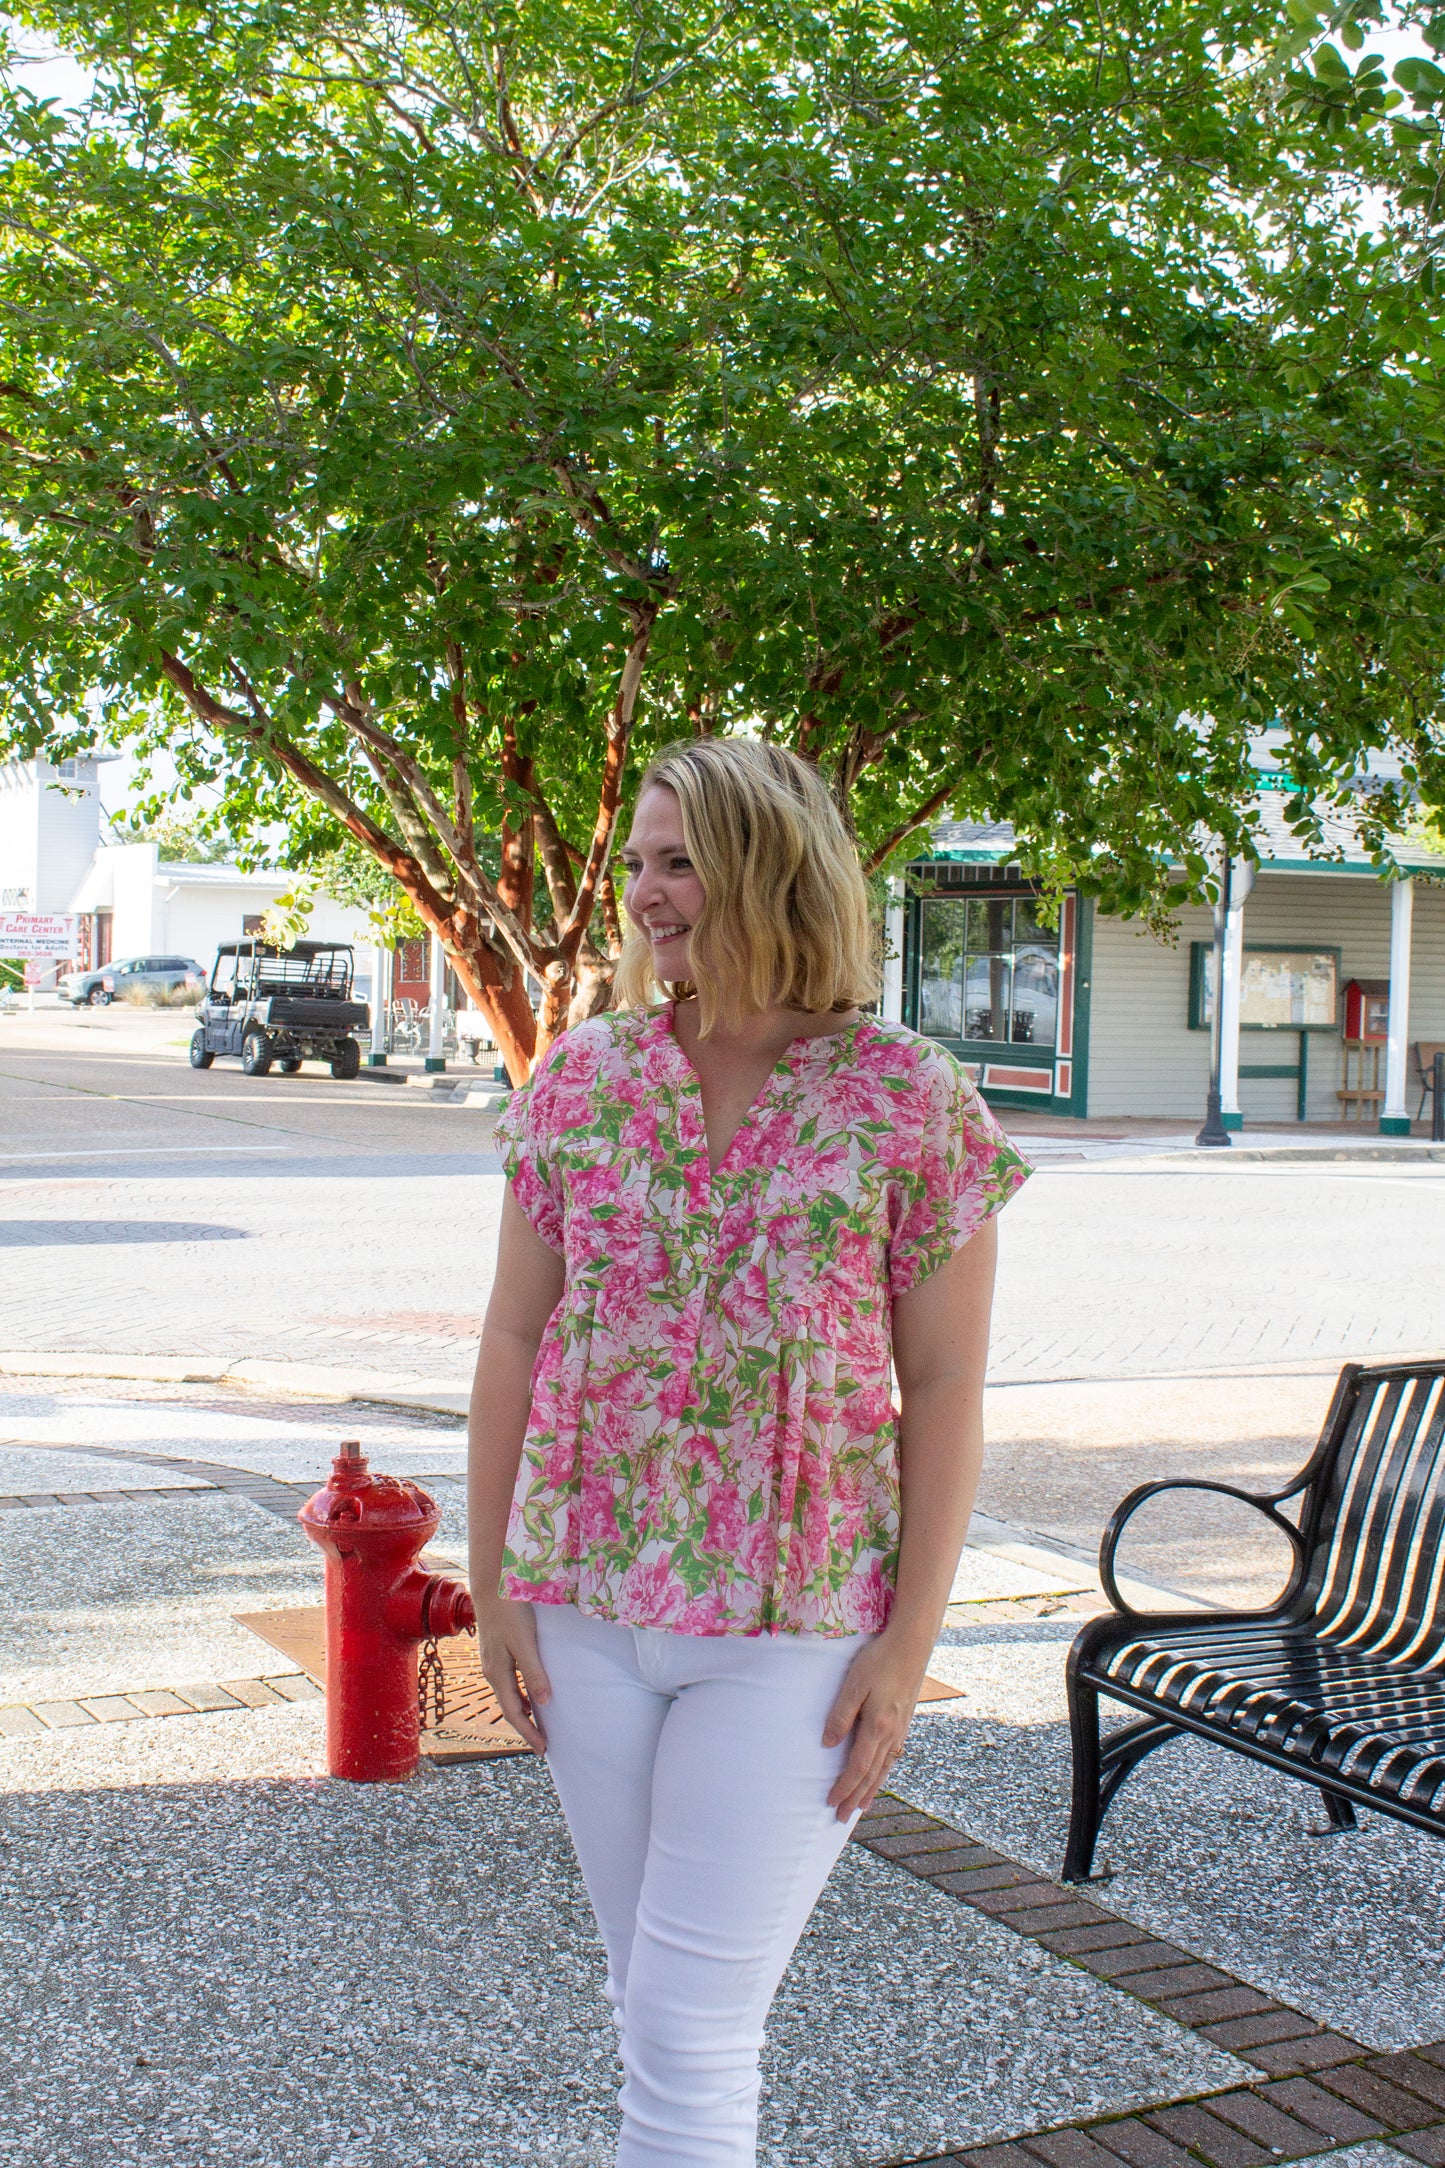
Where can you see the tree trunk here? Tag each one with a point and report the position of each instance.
(496, 984)
(591, 987)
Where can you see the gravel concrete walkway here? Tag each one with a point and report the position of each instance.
(209, 1952)
(217, 1954)
(1204, 1848)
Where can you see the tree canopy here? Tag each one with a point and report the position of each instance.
(416, 416)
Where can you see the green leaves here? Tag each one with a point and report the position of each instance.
(972, 404)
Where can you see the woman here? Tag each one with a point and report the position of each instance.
(721, 1559)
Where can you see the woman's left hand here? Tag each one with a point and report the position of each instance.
(876, 1703)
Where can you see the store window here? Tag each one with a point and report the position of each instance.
(988, 971)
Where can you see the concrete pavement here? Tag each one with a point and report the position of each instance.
(213, 1953)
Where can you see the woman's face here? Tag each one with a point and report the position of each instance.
(663, 894)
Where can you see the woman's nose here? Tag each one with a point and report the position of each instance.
(640, 891)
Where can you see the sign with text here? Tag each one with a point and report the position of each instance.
(39, 933)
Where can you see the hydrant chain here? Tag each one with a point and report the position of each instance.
(431, 1684)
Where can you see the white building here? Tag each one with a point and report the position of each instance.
(131, 901)
(135, 903)
(49, 829)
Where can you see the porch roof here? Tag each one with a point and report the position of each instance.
(992, 843)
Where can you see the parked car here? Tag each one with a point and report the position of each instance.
(109, 981)
(278, 1005)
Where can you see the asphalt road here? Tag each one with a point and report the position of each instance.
(1151, 1317)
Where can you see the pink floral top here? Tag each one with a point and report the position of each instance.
(712, 1438)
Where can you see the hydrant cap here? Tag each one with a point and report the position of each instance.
(353, 1495)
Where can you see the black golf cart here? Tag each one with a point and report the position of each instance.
(278, 1005)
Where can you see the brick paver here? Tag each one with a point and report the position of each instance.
(1215, 2141)
(1425, 2145)
(1413, 2072)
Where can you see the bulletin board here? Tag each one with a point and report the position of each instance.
(1281, 989)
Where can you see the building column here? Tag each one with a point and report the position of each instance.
(436, 1039)
(1395, 1117)
(380, 1004)
(1229, 1112)
(891, 1004)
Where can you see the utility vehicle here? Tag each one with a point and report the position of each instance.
(282, 1006)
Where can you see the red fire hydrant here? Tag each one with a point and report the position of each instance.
(379, 1606)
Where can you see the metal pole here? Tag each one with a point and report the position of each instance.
(435, 1056)
(1437, 1099)
(1229, 1000)
(1214, 1132)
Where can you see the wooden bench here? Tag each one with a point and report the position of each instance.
(1341, 1682)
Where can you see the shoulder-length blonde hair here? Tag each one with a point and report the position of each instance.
(785, 917)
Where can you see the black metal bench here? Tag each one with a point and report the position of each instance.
(1341, 1683)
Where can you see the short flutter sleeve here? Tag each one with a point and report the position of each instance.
(962, 1169)
(526, 1137)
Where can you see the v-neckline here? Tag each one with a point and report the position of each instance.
(782, 1065)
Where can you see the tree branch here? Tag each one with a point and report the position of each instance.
(916, 819)
(208, 709)
(619, 734)
(590, 511)
(532, 955)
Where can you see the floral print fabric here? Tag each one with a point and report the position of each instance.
(712, 1443)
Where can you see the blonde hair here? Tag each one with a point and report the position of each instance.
(785, 915)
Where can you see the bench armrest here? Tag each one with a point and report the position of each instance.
(1124, 1512)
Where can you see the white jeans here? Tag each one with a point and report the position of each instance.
(694, 1780)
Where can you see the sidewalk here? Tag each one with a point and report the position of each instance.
(217, 1954)
(1060, 1453)
(1120, 1139)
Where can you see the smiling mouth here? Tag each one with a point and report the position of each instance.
(666, 933)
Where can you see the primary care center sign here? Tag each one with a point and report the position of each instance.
(37, 933)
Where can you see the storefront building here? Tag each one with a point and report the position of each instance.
(1334, 986)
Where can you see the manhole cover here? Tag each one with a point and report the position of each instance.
(474, 1728)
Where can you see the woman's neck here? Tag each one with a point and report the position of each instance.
(759, 1031)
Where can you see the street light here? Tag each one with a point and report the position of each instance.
(1236, 879)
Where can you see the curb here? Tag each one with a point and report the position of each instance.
(1101, 1158)
(1405, 1150)
(309, 1381)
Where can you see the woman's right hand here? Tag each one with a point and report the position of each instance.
(507, 1647)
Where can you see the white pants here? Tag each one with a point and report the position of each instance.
(695, 1784)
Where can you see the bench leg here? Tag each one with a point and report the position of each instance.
(1087, 1810)
(1339, 1814)
(1100, 1770)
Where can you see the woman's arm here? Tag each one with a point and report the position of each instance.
(525, 1292)
(940, 1351)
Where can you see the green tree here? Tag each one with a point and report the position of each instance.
(180, 838)
(347, 874)
(416, 416)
